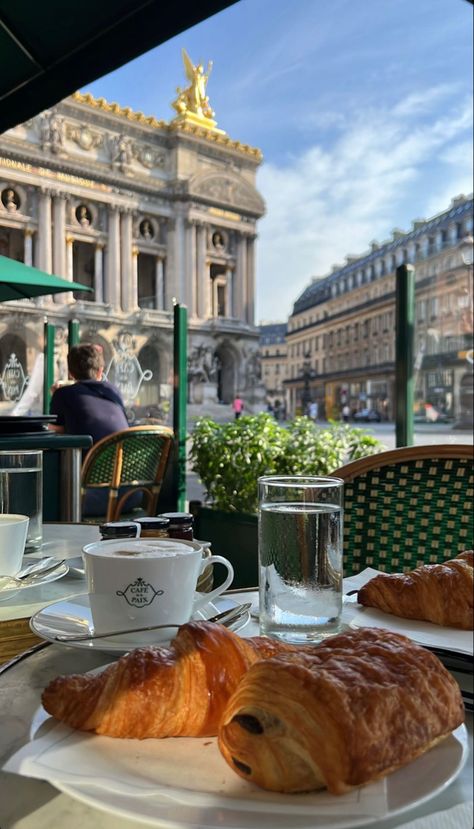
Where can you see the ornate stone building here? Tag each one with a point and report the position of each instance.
(146, 213)
(341, 334)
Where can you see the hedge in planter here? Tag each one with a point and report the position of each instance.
(230, 457)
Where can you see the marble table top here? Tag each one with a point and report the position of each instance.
(33, 804)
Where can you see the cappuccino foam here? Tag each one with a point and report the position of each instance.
(122, 549)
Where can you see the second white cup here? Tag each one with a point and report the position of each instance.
(136, 583)
(13, 532)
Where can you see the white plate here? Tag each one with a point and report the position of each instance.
(424, 633)
(73, 615)
(60, 571)
(184, 783)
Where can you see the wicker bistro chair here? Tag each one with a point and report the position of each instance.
(407, 507)
(136, 458)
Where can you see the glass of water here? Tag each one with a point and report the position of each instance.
(300, 557)
(21, 490)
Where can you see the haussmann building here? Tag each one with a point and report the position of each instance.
(341, 333)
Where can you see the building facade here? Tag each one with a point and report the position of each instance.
(273, 361)
(146, 213)
(341, 333)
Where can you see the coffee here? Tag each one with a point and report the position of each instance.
(137, 550)
(147, 582)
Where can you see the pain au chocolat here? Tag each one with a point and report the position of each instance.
(362, 705)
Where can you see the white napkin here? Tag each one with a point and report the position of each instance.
(189, 771)
(458, 817)
(425, 633)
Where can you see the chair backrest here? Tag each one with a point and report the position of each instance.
(136, 457)
(407, 507)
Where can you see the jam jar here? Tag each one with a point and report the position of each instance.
(153, 526)
(118, 529)
(180, 525)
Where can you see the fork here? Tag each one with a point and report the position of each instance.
(226, 618)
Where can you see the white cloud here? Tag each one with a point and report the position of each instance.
(384, 169)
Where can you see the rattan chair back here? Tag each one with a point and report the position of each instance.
(135, 458)
(407, 507)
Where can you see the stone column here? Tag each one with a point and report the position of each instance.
(191, 274)
(176, 261)
(202, 278)
(134, 279)
(69, 257)
(99, 272)
(240, 281)
(45, 259)
(59, 244)
(250, 315)
(59, 235)
(112, 275)
(126, 254)
(229, 293)
(159, 284)
(28, 246)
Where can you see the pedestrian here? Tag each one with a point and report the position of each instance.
(346, 413)
(313, 411)
(238, 406)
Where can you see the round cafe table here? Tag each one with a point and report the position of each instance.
(27, 803)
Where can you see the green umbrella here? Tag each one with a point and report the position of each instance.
(19, 281)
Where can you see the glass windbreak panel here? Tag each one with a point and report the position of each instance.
(444, 328)
(141, 368)
(21, 370)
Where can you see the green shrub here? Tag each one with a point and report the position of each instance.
(230, 457)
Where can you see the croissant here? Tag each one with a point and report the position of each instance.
(180, 691)
(363, 704)
(438, 593)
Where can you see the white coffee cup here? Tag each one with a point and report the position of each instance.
(13, 532)
(136, 583)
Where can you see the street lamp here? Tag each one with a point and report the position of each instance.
(308, 375)
(466, 247)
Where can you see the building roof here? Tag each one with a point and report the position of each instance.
(272, 333)
(320, 289)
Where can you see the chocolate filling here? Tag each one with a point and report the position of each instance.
(241, 766)
(248, 723)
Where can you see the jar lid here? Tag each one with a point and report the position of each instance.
(152, 522)
(119, 529)
(178, 517)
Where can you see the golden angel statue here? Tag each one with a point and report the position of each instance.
(193, 99)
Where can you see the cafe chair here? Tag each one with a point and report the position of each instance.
(124, 464)
(407, 507)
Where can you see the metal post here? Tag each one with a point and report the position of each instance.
(73, 333)
(48, 349)
(404, 359)
(179, 403)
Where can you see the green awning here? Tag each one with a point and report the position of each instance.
(19, 281)
(51, 48)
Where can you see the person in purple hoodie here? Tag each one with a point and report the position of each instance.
(89, 406)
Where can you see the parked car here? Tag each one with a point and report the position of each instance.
(368, 416)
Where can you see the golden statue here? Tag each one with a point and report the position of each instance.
(192, 103)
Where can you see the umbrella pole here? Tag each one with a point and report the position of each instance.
(49, 332)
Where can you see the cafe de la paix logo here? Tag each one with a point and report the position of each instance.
(139, 593)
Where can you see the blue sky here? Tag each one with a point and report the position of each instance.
(362, 109)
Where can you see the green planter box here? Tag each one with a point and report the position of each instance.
(232, 535)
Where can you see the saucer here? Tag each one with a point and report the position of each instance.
(73, 616)
(58, 573)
